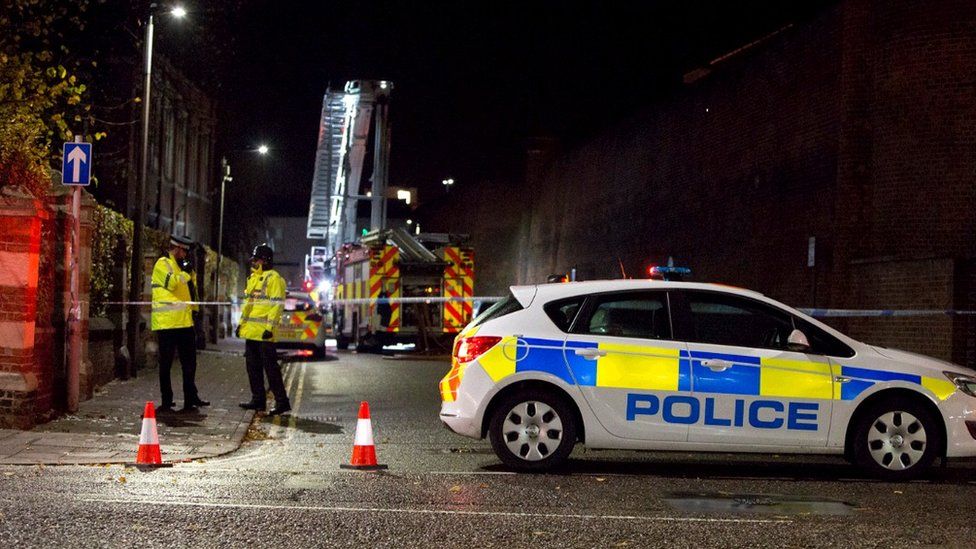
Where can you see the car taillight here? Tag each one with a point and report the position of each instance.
(314, 317)
(469, 348)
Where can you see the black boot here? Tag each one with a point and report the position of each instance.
(280, 409)
(258, 406)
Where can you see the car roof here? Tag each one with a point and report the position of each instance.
(547, 292)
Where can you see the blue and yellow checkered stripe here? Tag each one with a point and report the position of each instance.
(630, 367)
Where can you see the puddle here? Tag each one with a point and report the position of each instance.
(766, 504)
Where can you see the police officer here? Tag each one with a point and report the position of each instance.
(172, 321)
(265, 295)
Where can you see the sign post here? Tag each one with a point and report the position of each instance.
(75, 172)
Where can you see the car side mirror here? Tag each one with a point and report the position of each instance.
(798, 342)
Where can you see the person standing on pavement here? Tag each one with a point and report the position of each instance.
(265, 296)
(172, 321)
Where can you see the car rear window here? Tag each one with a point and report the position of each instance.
(504, 307)
(562, 312)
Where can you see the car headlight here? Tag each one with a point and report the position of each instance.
(963, 382)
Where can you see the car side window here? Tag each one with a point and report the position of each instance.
(562, 312)
(822, 343)
(630, 314)
(724, 319)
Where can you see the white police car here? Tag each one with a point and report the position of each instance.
(643, 364)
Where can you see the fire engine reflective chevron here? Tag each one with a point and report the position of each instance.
(265, 294)
(458, 283)
(384, 274)
(170, 292)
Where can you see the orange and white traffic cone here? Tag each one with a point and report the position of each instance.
(149, 454)
(363, 449)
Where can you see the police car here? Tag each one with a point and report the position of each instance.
(302, 325)
(644, 364)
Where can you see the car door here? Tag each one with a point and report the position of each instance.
(749, 387)
(628, 367)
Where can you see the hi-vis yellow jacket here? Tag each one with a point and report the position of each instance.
(170, 291)
(265, 299)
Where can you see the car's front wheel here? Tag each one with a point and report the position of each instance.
(896, 440)
(532, 430)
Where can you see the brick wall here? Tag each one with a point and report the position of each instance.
(857, 128)
(716, 178)
(22, 221)
(33, 304)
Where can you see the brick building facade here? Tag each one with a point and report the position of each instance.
(857, 128)
(182, 163)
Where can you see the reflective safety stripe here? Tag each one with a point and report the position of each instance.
(255, 320)
(160, 306)
(638, 367)
(628, 366)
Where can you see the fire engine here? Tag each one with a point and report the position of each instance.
(380, 277)
(392, 264)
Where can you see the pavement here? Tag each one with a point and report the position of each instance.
(106, 428)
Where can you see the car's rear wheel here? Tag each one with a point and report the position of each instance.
(532, 430)
(318, 352)
(896, 440)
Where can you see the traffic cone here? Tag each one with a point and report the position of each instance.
(149, 454)
(363, 449)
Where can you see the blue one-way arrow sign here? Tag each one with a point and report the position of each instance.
(76, 165)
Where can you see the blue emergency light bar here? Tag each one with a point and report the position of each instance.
(666, 273)
(657, 269)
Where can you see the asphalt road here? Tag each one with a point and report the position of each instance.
(284, 488)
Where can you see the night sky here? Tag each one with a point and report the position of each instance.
(472, 80)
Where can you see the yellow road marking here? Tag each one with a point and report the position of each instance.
(297, 399)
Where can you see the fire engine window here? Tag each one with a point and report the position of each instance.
(563, 311)
(631, 314)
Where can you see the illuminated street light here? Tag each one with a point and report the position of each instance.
(178, 12)
(263, 149)
(448, 183)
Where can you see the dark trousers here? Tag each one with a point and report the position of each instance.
(184, 342)
(261, 358)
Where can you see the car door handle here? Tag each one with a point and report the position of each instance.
(591, 353)
(716, 364)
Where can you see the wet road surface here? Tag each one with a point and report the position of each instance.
(284, 488)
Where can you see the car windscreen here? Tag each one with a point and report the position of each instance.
(505, 306)
(298, 303)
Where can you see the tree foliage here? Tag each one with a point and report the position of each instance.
(111, 250)
(41, 99)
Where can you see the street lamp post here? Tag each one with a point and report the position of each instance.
(226, 178)
(136, 274)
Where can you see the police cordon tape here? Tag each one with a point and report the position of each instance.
(855, 313)
(360, 301)
(818, 313)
